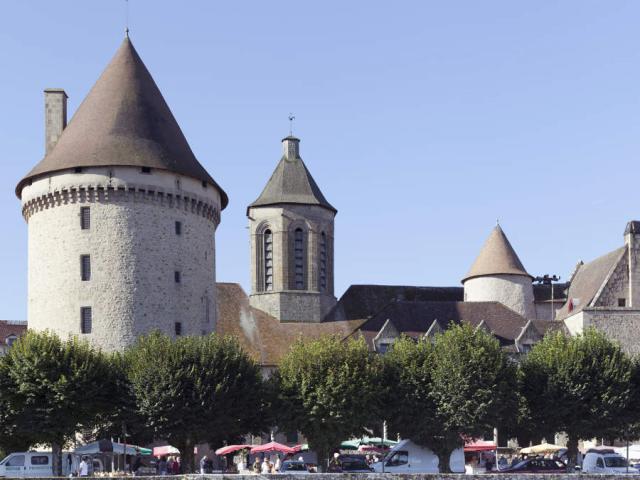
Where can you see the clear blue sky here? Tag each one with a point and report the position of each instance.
(421, 121)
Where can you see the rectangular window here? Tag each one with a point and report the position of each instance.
(40, 460)
(178, 228)
(176, 276)
(145, 169)
(622, 302)
(85, 319)
(85, 218)
(178, 328)
(85, 267)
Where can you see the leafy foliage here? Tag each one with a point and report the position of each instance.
(196, 389)
(50, 389)
(329, 390)
(580, 385)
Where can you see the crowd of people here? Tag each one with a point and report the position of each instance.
(168, 465)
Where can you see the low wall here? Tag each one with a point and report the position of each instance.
(375, 476)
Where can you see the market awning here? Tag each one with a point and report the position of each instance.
(272, 447)
(479, 446)
(356, 443)
(107, 446)
(541, 449)
(165, 450)
(231, 448)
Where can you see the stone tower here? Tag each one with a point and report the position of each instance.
(292, 226)
(121, 216)
(498, 275)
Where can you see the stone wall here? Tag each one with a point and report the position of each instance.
(513, 291)
(616, 287)
(134, 253)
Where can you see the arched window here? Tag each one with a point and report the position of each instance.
(298, 255)
(323, 262)
(268, 260)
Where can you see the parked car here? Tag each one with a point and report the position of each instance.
(36, 464)
(353, 464)
(536, 465)
(409, 457)
(606, 461)
(293, 467)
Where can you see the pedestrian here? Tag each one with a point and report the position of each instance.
(264, 468)
(162, 466)
(334, 464)
(83, 469)
(176, 466)
(256, 465)
(278, 464)
(137, 463)
(203, 464)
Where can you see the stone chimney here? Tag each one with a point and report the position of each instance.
(291, 148)
(632, 241)
(55, 116)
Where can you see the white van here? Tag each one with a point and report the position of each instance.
(408, 457)
(36, 464)
(606, 461)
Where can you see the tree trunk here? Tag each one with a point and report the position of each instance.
(444, 456)
(572, 450)
(56, 458)
(186, 457)
(323, 457)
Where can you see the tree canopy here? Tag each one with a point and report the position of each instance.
(196, 389)
(50, 389)
(581, 385)
(329, 390)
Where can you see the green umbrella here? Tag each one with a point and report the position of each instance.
(350, 444)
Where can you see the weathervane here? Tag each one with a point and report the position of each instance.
(291, 119)
(126, 18)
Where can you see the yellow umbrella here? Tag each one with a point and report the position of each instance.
(541, 449)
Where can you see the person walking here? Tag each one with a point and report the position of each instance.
(204, 464)
(265, 469)
(256, 465)
(83, 468)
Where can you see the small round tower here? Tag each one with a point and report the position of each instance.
(498, 275)
(292, 229)
(121, 216)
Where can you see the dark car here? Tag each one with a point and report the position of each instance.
(353, 464)
(536, 465)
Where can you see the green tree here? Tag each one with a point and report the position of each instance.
(195, 390)
(581, 385)
(50, 389)
(330, 390)
(461, 385)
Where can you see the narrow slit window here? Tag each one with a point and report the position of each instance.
(299, 259)
(178, 228)
(178, 328)
(268, 260)
(85, 218)
(177, 277)
(145, 169)
(323, 261)
(85, 268)
(85, 319)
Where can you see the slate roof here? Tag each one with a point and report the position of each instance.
(496, 257)
(588, 279)
(291, 183)
(124, 120)
(415, 317)
(11, 328)
(363, 301)
(260, 334)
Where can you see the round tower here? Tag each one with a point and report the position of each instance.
(498, 275)
(292, 228)
(121, 216)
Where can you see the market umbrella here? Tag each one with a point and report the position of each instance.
(541, 449)
(165, 450)
(350, 444)
(272, 447)
(230, 449)
(301, 448)
(107, 446)
(479, 446)
(378, 441)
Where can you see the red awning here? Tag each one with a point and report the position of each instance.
(231, 448)
(479, 446)
(272, 447)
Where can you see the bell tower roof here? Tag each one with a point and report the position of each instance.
(123, 121)
(291, 181)
(496, 257)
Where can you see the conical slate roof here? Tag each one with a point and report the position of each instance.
(123, 121)
(496, 257)
(291, 182)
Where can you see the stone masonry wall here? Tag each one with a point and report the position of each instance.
(513, 291)
(620, 324)
(134, 252)
(617, 286)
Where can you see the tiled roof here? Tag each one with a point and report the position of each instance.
(262, 335)
(291, 182)
(363, 301)
(496, 257)
(124, 120)
(588, 280)
(8, 328)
